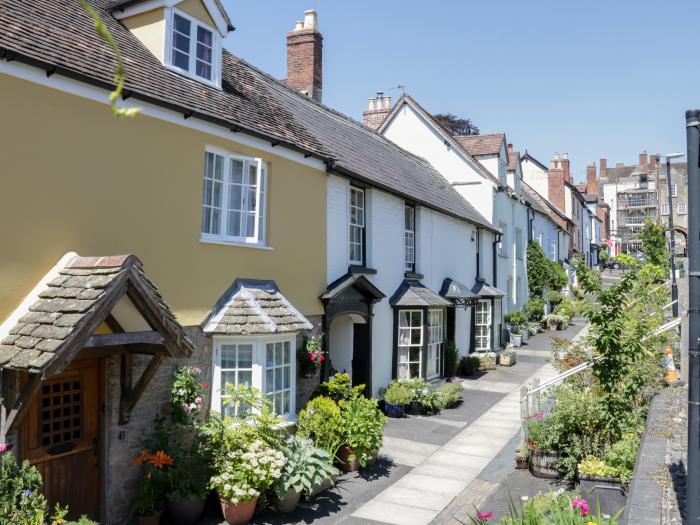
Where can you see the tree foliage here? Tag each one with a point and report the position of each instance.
(457, 125)
(654, 247)
(542, 272)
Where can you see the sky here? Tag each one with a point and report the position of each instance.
(596, 79)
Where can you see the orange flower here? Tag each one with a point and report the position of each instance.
(142, 458)
(160, 459)
(148, 476)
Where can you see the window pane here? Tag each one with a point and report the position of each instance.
(270, 355)
(287, 353)
(181, 43)
(278, 379)
(416, 336)
(414, 369)
(228, 356)
(403, 318)
(414, 354)
(203, 70)
(180, 60)
(181, 24)
(286, 372)
(245, 378)
(236, 171)
(403, 371)
(269, 380)
(233, 226)
(245, 356)
(404, 336)
(227, 378)
(204, 36)
(278, 403)
(287, 403)
(416, 318)
(227, 410)
(278, 354)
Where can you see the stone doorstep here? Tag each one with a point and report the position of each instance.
(396, 514)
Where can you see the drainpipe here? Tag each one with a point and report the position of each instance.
(692, 122)
(530, 220)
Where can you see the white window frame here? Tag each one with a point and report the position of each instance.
(409, 238)
(682, 208)
(436, 338)
(215, 50)
(674, 190)
(261, 191)
(259, 367)
(410, 345)
(478, 326)
(664, 209)
(360, 228)
(502, 246)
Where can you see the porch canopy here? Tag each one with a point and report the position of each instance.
(254, 307)
(57, 323)
(459, 293)
(484, 290)
(414, 293)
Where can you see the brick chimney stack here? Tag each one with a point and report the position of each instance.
(555, 162)
(643, 161)
(555, 182)
(565, 167)
(377, 111)
(305, 57)
(603, 168)
(654, 162)
(591, 180)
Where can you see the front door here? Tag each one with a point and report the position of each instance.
(361, 355)
(60, 437)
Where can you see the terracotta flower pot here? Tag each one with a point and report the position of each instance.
(521, 463)
(348, 460)
(149, 520)
(185, 511)
(238, 513)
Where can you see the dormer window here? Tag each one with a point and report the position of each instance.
(193, 48)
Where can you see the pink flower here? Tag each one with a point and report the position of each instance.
(198, 401)
(4, 447)
(185, 407)
(581, 504)
(484, 515)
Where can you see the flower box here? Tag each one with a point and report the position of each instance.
(508, 358)
(609, 493)
(543, 463)
(487, 361)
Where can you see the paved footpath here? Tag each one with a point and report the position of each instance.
(432, 469)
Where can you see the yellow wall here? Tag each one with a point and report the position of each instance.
(149, 28)
(73, 177)
(196, 9)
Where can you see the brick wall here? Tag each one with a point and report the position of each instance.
(555, 181)
(374, 118)
(305, 62)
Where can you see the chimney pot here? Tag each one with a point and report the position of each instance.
(371, 106)
(556, 156)
(510, 148)
(377, 110)
(310, 20)
(566, 156)
(643, 161)
(299, 25)
(387, 103)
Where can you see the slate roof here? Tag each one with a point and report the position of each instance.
(414, 293)
(57, 318)
(483, 289)
(489, 144)
(254, 307)
(60, 34)
(530, 196)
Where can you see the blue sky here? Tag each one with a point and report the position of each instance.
(593, 78)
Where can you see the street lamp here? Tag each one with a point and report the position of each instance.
(674, 286)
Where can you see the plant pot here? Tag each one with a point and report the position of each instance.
(149, 520)
(525, 334)
(289, 502)
(348, 460)
(552, 326)
(508, 359)
(238, 513)
(521, 463)
(393, 410)
(317, 488)
(414, 407)
(560, 326)
(543, 464)
(185, 511)
(609, 493)
(487, 364)
(516, 340)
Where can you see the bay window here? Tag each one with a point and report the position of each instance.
(193, 48)
(436, 337)
(266, 363)
(233, 200)
(410, 344)
(482, 324)
(357, 226)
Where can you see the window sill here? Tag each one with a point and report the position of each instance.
(413, 275)
(503, 255)
(237, 244)
(354, 268)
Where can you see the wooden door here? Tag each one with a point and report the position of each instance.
(60, 436)
(361, 355)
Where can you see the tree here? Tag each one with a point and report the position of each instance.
(542, 272)
(653, 237)
(457, 125)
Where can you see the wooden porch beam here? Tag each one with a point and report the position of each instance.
(13, 416)
(124, 338)
(128, 401)
(106, 351)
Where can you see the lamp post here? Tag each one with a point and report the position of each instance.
(674, 285)
(692, 124)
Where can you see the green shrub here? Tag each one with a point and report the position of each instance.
(363, 427)
(338, 388)
(542, 272)
(553, 298)
(567, 308)
(468, 365)
(516, 319)
(322, 423)
(305, 466)
(622, 456)
(21, 499)
(398, 394)
(450, 394)
(451, 358)
(534, 310)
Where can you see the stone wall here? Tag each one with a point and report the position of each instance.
(305, 386)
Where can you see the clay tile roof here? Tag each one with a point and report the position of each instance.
(476, 145)
(58, 35)
(254, 307)
(513, 160)
(54, 320)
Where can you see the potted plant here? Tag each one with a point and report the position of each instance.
(468, 365)
(508, 356)
(151, 486)
(363, 425)
(516, 320)
(242, 476)
(306, 468)
(487, 360)
(187, 478)
(599, 482)
(322, 423)
(554, 321)
(396, 397)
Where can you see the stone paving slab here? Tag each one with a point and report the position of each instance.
(491, 386)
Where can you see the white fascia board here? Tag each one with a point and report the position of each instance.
(144, 7)
(87, 91)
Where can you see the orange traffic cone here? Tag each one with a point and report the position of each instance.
(671, 375)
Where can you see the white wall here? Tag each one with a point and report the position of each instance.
(410, 131)
(535, 177)
(337, 206)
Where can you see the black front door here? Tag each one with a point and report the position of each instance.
(361, 356)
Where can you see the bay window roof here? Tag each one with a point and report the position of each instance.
(414, 293)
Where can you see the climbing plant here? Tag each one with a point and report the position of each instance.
(542, 272)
